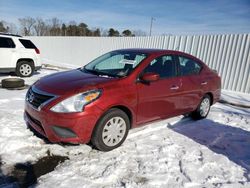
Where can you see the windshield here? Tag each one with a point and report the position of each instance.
(116, 63)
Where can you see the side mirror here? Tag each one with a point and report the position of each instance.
(150, 77)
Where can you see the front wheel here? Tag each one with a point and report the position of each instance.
(203, 108)
(111, 130)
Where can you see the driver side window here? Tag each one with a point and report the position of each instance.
(163, 65)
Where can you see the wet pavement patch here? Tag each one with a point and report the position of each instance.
(26, 174)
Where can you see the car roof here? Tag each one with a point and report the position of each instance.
(152, 51)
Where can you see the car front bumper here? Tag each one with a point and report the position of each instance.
(63, 127)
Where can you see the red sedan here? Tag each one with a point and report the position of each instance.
(118, 91)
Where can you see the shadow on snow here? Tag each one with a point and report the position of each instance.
(229, 141)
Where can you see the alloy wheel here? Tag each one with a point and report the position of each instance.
(25, 69)
(204, 107)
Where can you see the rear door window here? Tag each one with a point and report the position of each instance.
(6, 42)
(188, 66)
(27, 44)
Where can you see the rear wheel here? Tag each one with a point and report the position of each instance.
(203, 108)
(24, 69)
(111, 130)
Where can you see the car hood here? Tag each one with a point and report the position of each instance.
(72, 81)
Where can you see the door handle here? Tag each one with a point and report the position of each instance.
(204, 83)
(174, 87)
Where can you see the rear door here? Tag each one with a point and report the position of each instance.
(191, 82)
(7, 49)
(159, 99)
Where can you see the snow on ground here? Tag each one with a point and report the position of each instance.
(177, 152)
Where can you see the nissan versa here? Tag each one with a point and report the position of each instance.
(118, 91)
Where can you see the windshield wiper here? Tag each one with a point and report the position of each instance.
(100, 73)
(91, 71)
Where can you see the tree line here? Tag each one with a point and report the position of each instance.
(29, 26)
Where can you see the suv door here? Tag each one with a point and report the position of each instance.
(189, 74)
(6, 52)
(159, 99)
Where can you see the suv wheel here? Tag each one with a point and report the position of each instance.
(24, 69)
(111, 130)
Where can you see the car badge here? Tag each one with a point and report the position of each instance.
(31, 97)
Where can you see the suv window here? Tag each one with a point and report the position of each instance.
(27, 44)
(164, 66)
(188, 66)
(6, 43)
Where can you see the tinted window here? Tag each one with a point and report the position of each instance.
(188, 66)
(6, 43)
(163, 65)
(27, 44)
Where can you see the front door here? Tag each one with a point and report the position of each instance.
(159, 99)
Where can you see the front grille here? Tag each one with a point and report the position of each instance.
(36, 98)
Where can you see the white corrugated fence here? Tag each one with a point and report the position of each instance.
(228, 54)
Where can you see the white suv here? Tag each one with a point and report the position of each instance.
(18, 55)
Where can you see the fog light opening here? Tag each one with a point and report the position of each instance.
(63, 132)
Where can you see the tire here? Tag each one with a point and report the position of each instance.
(203, 108)
(12, 83)
(25, 69)
(103, 138)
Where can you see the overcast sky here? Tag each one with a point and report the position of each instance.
(171, 17)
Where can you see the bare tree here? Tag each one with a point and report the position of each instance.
(3, 27)
(12, 28)
(7, 27)
(96, 32)
(27, 25)
(63, 29)
(40, 27)
(55, 29)
(83, 29)
(72, 29)
(104, 32)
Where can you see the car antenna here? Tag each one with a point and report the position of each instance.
(177, 48)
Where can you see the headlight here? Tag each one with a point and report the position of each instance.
(76, 102)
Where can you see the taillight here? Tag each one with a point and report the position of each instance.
(37, 50)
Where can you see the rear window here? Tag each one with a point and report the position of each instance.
(27, 44)
(6, 42)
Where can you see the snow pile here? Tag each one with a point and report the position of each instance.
(177, 152)
(235, 98)
(58, 64)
